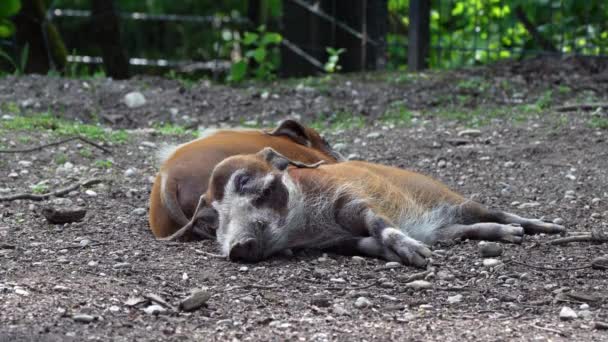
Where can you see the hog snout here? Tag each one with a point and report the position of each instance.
(245, 250)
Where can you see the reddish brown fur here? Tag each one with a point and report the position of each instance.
(188, 169)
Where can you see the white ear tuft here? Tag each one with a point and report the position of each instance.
(164, 152)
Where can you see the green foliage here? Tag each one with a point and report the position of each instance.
(47, 122)
(397, 114)
(258, 61)
(8, 8)
(338, 121)
(333, 60)
(40, 188)
(18, 66)
(103, 164)
(598, 122)
(61, 158)
(171, 129)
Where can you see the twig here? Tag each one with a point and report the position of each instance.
(212, 255)
(157, 299)
(555, 331)
(550, 268)
(60, 192)
(37, 148)
(416, 276)
(581, 106)
(595, 236)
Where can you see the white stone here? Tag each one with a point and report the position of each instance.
(130, 172)
(90, 193)
(419, 285)
(470, 132)
(25, 163)
(392, 264)
(491, 262)
(362, 302)
(83, 318)
(243, 269)
(567, 314)
(455, 299)
(155, 309)
(374, 135)
(134, 99)
(139, 212)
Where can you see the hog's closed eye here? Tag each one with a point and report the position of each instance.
(241, 181)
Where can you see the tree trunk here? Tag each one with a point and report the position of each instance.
(46, 48)
(105, 25)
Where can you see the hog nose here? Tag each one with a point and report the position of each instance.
(245, 250)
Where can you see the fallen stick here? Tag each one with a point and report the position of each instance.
(60, 192)
(581, 106)
(555, 331)
(550, 268)
(598, 237)
(37, 148)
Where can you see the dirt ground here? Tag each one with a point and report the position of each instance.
(552, 165)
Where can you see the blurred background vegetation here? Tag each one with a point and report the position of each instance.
(183, 33)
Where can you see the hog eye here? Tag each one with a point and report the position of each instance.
(241, 181)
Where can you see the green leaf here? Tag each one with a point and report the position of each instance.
(5, 56)
(9, 8)
(238, 71)
(271, 38)
(7, 28)
(259, 54)
(250, 38)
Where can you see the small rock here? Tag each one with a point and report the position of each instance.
(358, 259)
(601, 325)
(84, 242)
(340, 310)
(528, 205)
(337, 280)
(353, 156)
(243, 269)
(90, 193)
(25, 163)
(155, 309)
(441, 164)
(419, 285)
(509, 164)
(455, 299)
(148, 144)
(595, 200)
(139, 212)
(374, 135)
(469, 132)
(339, 147)
(134, 99)
(490, 249)
(408, 317)
(443, 275)
(130, 172)
(596, 215)
(93, 263)
(83, 318)
(584, 306)
(114, 308)
(558, 220)
(491, 262)
(392, 264)
(247, 299)
(585, 314)
(22, 292)
(63, 215)
(567, 314)
(60, 288)
(196, 300)
(600, 263)
(362, 302)
(121, 265)
(13, 175)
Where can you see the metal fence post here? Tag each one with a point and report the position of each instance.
(419, 35)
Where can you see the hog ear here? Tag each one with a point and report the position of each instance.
(280, 162)
(294, 131)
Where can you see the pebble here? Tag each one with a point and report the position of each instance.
(567, 314)
(139, 212)
(339, 147)
(13, 175)
(321, 302)
(134, 99)
(93, 263)
(585, 314)
(353, 156)
(25, 163)
(84, 242)
(340, 310)
(247, 299)
(358, 259)
(455, 299)
(419, 285)
(584, 306)
(443, 275)
(90, 193)
(362, 302)
(441, 164)
(130, 172)
(60, 288)
(374, 135)
(196, 300)
(596, 215)
(509, 164)
(121, 265)
(83, 318)
(22, 292)
(392, 264)
(491, 262)
(148, 144)
(490, 249)
(155, 309)
(337, 280)
(558, 220)
(114, 308)
(243, 269)
(469, 132)
(528, 205)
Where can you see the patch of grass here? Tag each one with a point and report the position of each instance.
(185, 82)
(24, 139)
(397, 115)
(10, 107)
(40, 188)
(564, 89)
(338, 121)
(545, 100)
(171, 129)
(103, 163)
(473, 84)
(86, 153)
(48, 122)
(598, 122)
(61, 158)
(482, 116)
